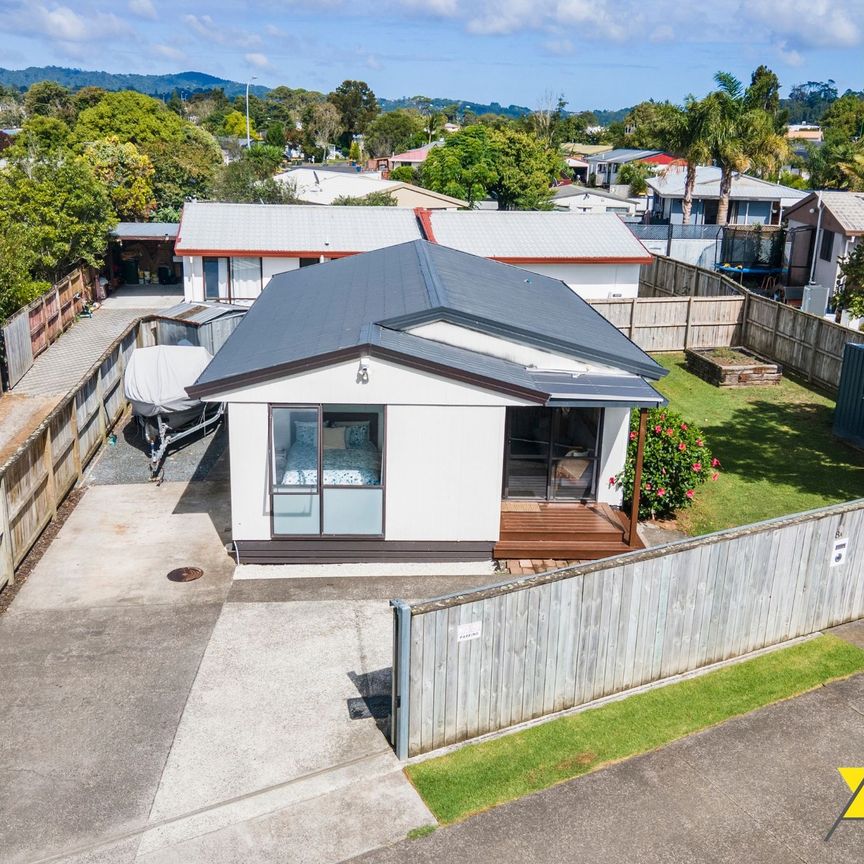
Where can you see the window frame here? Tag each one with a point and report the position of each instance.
(826, 238)
(320, 486)
(231, 260)
(217, 258)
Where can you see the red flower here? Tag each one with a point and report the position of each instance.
(698, 442)
(661, 492)
(658, 429)
(715, 462)
(689, 493)
(714, 476)
(682, 446)
(684, 426)
(670, 431)
(697, 466)
(647, 487)
(632, 436)
(611, 481)
(662, 470)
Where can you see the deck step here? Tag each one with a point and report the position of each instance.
(559, 551)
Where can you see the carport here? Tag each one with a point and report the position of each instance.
(142, 253)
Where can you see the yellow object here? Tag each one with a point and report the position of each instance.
(854, 778)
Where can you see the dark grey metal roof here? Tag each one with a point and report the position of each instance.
(370, 299)
(574, 389)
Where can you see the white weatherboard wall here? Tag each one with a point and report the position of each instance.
(248, 438)
(443, 472)
(193, 273)
(593, 281)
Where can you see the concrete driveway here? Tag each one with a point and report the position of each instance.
(151, 721)
(762, 788)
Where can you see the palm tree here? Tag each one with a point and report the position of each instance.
(740, 138)
(852, 170)
(686, 137)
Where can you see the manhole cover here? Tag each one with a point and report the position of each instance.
(185, 574)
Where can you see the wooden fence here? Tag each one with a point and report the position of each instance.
(675, 323)
(474, 663)
(682, 306)
(27, 333)
(40, 474)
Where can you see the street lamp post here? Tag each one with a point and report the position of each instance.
(248, 136)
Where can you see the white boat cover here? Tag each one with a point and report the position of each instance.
(157, 377)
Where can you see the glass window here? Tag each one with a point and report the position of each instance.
(826, 247)
(308, 262)
(295, 449)
(216, 285)
(245, 278)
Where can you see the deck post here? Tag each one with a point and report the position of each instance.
(637, 476)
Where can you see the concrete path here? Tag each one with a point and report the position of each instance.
(762, 788)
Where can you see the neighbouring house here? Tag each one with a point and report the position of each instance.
(752, 201)
(804, 132)
(605, 166)
(824, 227)
(319, 186)
(410, 158)
(578, 168)
(572, 148)
(230, 251)
(587, 199)
(419, 403)
(596, 255)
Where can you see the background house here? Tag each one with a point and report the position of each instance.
(410, 403)
(824, 227)
(586, 199)
(751, 202)
(596, 255)
(230, 251)
(319, 186)
(605, 166)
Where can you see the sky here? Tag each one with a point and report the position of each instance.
(596, 53)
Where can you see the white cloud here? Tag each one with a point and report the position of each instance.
(167, 52)
(258, 60)
(213, 32)
(809, 23)
(143, 9)
(60, 24)
(372, 62)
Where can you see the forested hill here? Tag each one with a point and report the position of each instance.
(196, 82)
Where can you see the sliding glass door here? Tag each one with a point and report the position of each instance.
(327, 470)
(552, 453)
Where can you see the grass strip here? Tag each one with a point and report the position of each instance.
(480, 776)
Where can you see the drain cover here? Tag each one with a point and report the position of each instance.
(185, 574)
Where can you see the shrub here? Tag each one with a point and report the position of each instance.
(404, 174)
(676, 461)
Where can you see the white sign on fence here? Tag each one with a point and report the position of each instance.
(469, 631)
(838, 551)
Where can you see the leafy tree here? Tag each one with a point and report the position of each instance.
(354, 152)
(87, 97)
(264, 158)
(849, 290)
(127, 173)
(808, 102)
(373, 199)
(764, 91)
(794, 181)
(645, 126)
(515, 168)
(17, 261)
(275, 136)
(686, 136)
(240, 182)
(393, 132)
(404, 174)
(49, 99)
(11, 107)
(235, 125)
(852, 170)
(357, 107)
(64, 210)
(635, 175)
(844, 119)
(40, 138)
(324, 125)
(175, 104)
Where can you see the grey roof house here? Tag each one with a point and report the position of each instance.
(408, 403)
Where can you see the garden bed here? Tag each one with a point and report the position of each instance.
(733, 367)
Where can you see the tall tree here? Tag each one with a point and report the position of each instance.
(127, 173)
(49, 99)
(393, 132)
(764, 91)
(357, 106)
(324, 125)
(686, 136)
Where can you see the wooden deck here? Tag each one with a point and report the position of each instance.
(561, 531)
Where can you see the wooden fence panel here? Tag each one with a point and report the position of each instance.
(28, 499)
(64, 449)
(88, 407)
(493, 658)
(17, 348)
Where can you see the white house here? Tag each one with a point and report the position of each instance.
(319, 186)
(830, 224)
(419, 403)
(596, 255)
(230, 251)
(586, 199)
(751, 202)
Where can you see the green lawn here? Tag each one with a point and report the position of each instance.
(480, 776)
(775, 445)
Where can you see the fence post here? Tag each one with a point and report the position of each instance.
(637, 477)
(633, 303)
(745, 321)
(687, 323)
(48, 460)
(7, 564)
(669, 240)
(76, 441)
(814, 338)
(775, 329)
(400, 698)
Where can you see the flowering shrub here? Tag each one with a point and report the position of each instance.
(675, 462)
